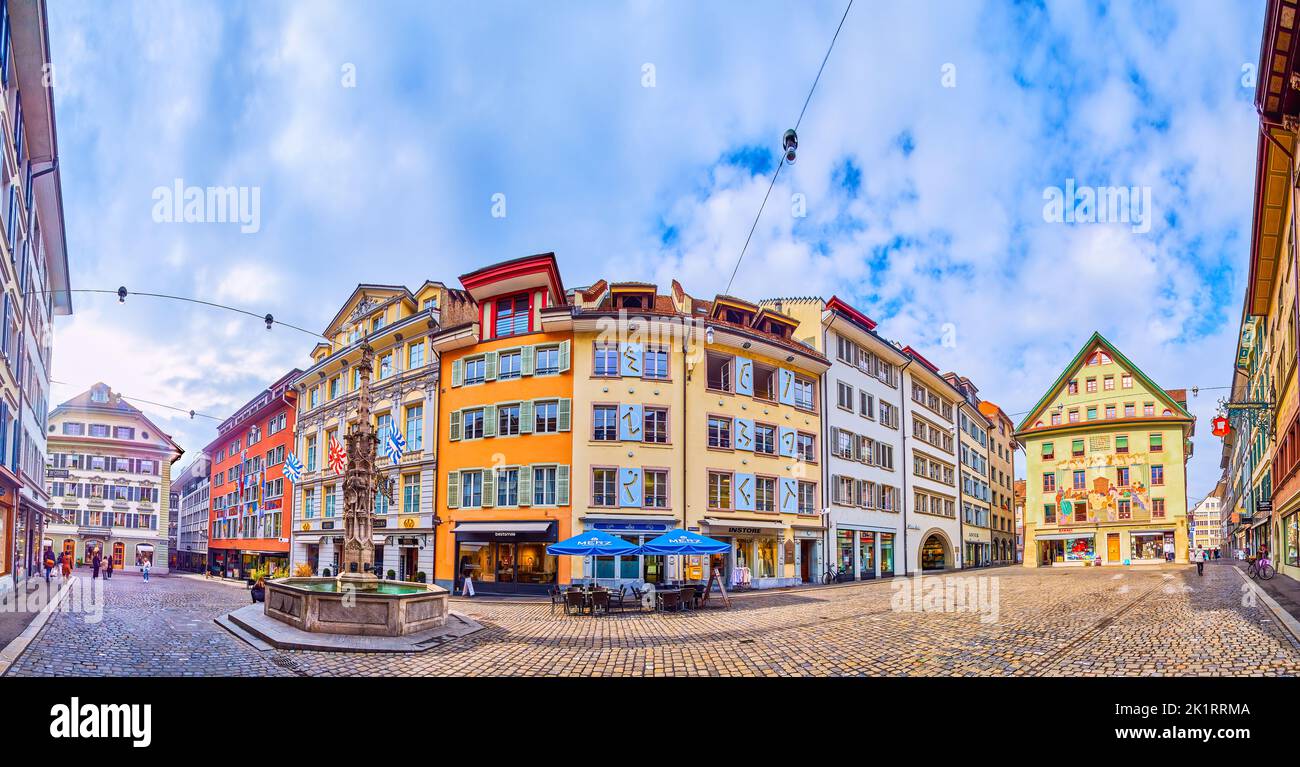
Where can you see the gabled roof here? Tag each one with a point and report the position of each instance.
(116, 404)
(357, 293)
(914, 354)
(1096, 340)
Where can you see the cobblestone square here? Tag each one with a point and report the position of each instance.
(1081, 622)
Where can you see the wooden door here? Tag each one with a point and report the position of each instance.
(1112, 547)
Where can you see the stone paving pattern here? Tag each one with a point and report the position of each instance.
(1076, 622)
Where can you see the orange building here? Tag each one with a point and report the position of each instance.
(504, 417)
(251, 502)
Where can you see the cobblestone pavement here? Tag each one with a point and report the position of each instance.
(1075, 622)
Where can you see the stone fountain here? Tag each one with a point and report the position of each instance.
(355, 603)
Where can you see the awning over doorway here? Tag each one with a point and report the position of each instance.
(506, 531)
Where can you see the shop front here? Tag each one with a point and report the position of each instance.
(506, 557)
(807, 545)
(758, 556)
(1066, 549)
(629, 570)
(1289, 557)
(1150, 547)
(863, 553)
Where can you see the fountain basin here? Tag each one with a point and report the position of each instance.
(322, 605)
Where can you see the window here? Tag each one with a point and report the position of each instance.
(719, 432)
(805, 447)
(385, 366)
(1074, 416)
(604, 419)
(1157, 442)
(1122, 476)
(1110, 411)
(655, 484)
(604, 484)
(75, 429)
(1049, 513)
(1076, 448)
(719, 490)
(765, 494)
(509, 365)
(866, 405)
(719, 372)
(605, 360)
(1124, 508)
(1108, 383)
(803, 393)
(1157, 475)
(1148, 409)
(415, 356)
(507, 483)
(98, 430)
(472, 424)
(311, 454)
(471, 488)
(1158, 508)
(330, 500)
(1049, 481)
(1126, 381)
(548, 360)
(512, 316)
(544, 486)
(1090, 385)
(1092, 413)
(1079, 479)
(764, 382)
(414, 427)
(1049, 451)
(656, 362)
(844, 396)
(475, 370)
(546, 417)
(123, 432)
(807, 503)
(764, 439)
(507, 420)
(1072, 387)
(1056, 420)
(334, 387)
(1129, 410)
(656, 425)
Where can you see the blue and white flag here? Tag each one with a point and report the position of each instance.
(292, 468)
(395, 445)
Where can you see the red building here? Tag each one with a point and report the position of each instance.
(251, 502)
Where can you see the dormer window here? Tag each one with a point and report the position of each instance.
(512, 316)
(99, 394)
(733, 316)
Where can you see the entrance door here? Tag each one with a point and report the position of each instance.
(805, 561)
(1112, 547)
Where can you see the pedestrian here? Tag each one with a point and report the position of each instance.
(108, 568)
(1198, 557)
(95, 563)
(48, 561)
(65, 568)
(144, 569)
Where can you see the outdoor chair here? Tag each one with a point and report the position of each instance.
(599, 602)
(617, 598)
(670, 600)
(574, 599)
(557, 597)
(688, 596)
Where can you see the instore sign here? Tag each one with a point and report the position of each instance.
(745, 530)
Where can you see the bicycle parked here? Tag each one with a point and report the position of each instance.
(833, 575)
(1259, 567)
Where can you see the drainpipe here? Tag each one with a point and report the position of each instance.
(902, 427)
(826, 461)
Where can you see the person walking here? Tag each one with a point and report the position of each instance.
(95, 563)
(1198, 557)
(48, 561)
(108, 568)
(144, 570)
(65, 565)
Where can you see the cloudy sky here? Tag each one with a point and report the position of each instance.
(636, 141)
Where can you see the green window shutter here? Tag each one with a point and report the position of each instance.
(564, 356)
(562, 485)
(526, 485)
(1047, 448)
(489, 488)
(453, 489)
(563, 414)
(454, 431)
(490, 366)
(526, 417)
(527, 360)
(489, 420)
(457, 372)
(1076, 446)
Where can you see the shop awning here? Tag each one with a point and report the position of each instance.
(1162, 531)
(741, 525)
(1063, 536)
(506, 531)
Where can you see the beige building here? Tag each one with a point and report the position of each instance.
(109, 481)
(975, 505)
(1002, 473)
(1205, 526)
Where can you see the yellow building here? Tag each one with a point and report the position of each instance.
(753, 410)
(1106, 452)
(629, 368)
(397, 323)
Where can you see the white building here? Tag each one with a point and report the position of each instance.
(1205, 525)
(862, 432)
(193, 485)
(109, 481)
(929, 455)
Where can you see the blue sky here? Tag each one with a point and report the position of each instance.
(924, 203)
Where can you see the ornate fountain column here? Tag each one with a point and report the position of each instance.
(360, 480)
